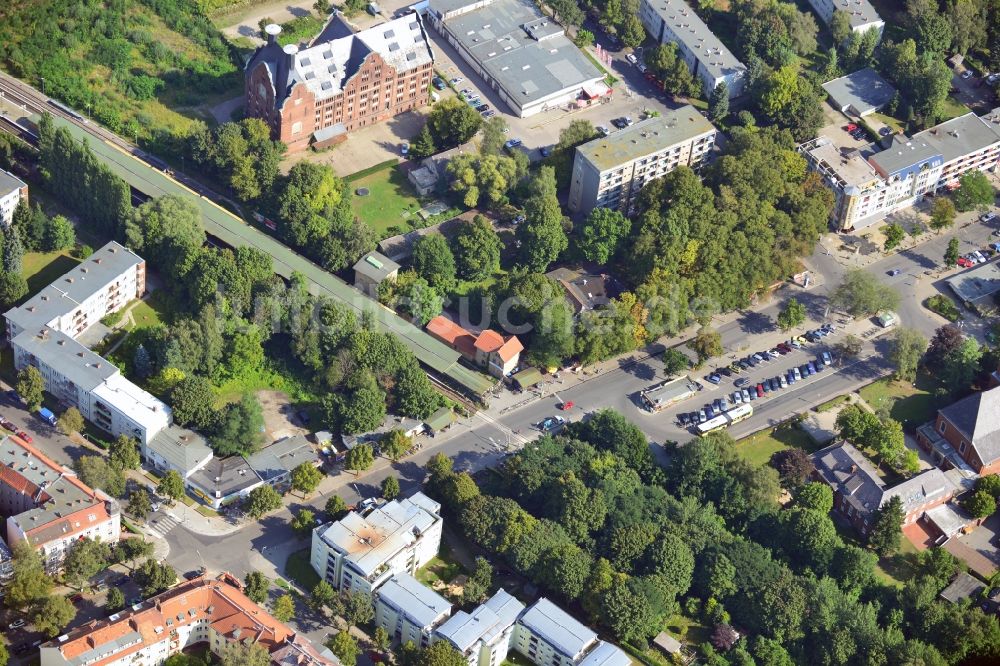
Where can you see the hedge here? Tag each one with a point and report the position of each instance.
(358, 175)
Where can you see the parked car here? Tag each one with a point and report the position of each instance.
(25, 436)
(737, 398)
(702, 416)
(752, 393)
(827, 359)
(404, 149)
(631, 58)
(965, 262)
(455, 81)
(76, 598)
(724, 404)
(893, 273)
(604, 131)
(725, 372)
(551, 423)
(510, 144)
(439, 83)
(987, 217)
(619, 123)
(798, 375)
(850, 127)
(8, 424)
(682, 419)
(805, 371)
(17, 624)
(760, 390)
(980, 257)
(545, 151)
(812, 368)
(782, 382)
(483, 107)
(885, 131)
(967, 74)
(714, 378)
(489, 113)
(742, 381)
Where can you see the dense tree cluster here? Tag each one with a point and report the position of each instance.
(240, 154)
(591, 519)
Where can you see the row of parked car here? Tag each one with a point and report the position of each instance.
(750, 392)
(753, 360)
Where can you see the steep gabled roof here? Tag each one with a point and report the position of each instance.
(977, 417)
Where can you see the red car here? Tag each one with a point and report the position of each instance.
(566, 405)
(965, 262)
(850, 127)
(760, 390)
(25, 436)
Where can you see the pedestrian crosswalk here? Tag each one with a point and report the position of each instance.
(160, 525)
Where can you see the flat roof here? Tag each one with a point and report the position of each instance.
(859, 12)
(670, 390)
(82, 367)
(976, 282)
(183, 449)
(464, 630)
(713, 56)
(370, 541)
(422, 605)
(501, 37)
(848, 166)
(283, 456)
(606, 654)
(376, 266)
(644, 138)
(864, 90)
(570, 637)
(9, 183)
(134, 402)
(904, 154)
(960, 136)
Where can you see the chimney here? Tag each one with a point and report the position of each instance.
(290, 51)
(272, 30)
(854, 468)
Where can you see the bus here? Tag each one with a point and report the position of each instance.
(726, 419)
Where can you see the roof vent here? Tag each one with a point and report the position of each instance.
(291, 49)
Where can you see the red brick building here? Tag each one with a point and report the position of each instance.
(966, 434)
(341, 82)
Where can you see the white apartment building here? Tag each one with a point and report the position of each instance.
(609, 171)
(673, 21)
(869, 184)
(408, 610)
(12, 191)
(43, 333)
(46, 505)
(483, 636)
(860, 14)
(359, 553)
(549, 636)
(201, 611)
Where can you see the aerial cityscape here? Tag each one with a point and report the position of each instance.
(499, 333)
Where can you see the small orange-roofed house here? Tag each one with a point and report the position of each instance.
(488, 350)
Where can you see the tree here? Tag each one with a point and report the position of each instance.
(433, 260)
(255, 586)
(13, 287)
(139, 503)
(396, 444)
(951, 253)
(478, 584)
(336, 507)
(322, 7)
(975, 191)
(359, 458)
(979, 504)
(706, 344)
(123, 453)
(441, 653)
(59, 234)
(245, 653)
(723, 637)
(262, 500)
(28, 583)
(70, 421)
(452, 122)
(601, 234)
(381, 639)
(171, 485)
(153, 577)
(946, 339)
(989, 484)
(794, 467)
(304, 521)
(242, 428)
(541, 235)
(364, 412)
(423, 144)
(942, 213)
(358, 608)
(476, 247)
(632, 33)
(815, 496)
(115, 600)
(390, 487)
(53, 615)
(792, 315)
(170, 229)
(961, 366)
(284, 608)
(305, 478)
(885, 533)
(193, 402)
(322, 595)
(13, 251)
(492, 140)
(345, 647)
(849, 347)
(85, 559)
(30, 385)
(861, 294)
(718, 103)
(905, 352)
(894, 234)
(97, 473)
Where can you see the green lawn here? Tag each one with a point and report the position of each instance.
(442, 568)
(685, 629)
(391, 202)
(890, 121)
(41, 269)
(910, 405)
(154, 310)
(758, 448)
(297, 568)
(830, 404)
(952, 108)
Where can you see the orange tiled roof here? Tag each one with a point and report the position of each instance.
(17, 482)
(489, 341)
(223, 602)
(452, 335)
(510, 349)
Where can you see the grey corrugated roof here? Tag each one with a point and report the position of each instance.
(282, 457)
(978, 418)
(223, 477)
(903, 154)
(419, 603)
(606, 654)
(960, 136)
(526, 69)
(865, 90)
(9, 183)
(558, 628)
(963, 587)
(232, 231)
(496, 615)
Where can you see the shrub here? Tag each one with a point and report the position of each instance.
(943, 306)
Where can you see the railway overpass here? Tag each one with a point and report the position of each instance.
(234, 232)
